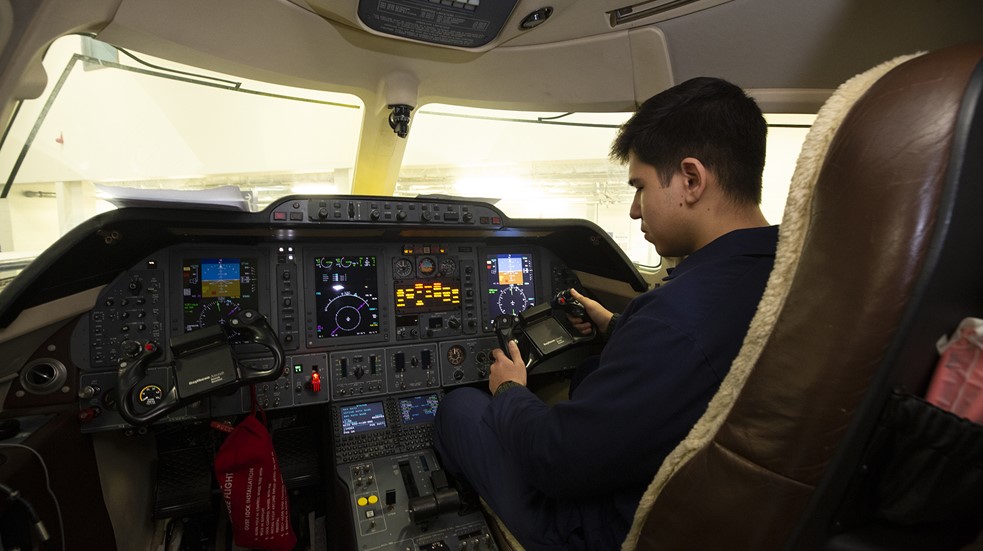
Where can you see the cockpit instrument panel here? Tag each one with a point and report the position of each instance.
(384, 306)
(352, 314)
(377, 318)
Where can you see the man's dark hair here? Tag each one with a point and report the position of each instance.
(706, 118)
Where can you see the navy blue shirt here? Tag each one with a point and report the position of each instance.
(596, 453)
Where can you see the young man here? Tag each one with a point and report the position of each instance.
(570, 476)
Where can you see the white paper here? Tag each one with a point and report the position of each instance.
(224, 197)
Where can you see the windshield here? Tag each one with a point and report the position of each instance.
(556, 165)
(112, 121)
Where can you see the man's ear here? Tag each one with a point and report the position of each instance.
(695, 176)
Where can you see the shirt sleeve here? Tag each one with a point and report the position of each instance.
(651, 386)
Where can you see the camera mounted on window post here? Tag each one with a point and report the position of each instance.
(399, 119)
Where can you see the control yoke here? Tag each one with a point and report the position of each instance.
(537, 331)
(203, 364)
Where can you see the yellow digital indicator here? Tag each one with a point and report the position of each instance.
(427, 296)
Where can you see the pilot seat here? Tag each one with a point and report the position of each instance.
(818, 437)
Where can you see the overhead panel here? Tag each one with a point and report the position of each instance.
(459, 23)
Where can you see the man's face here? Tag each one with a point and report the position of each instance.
(659, 205)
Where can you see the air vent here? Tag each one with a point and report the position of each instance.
(43, 376)
(659, 10)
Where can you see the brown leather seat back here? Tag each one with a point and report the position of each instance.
(891, 259)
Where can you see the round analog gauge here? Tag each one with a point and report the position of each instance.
(426, 266)
(512, 300)
(150, 395)
(456, 355)
(448, 266)
(403, 268)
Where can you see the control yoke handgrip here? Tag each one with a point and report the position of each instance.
(257, 328)
(247, 326)
(564, 300)
(131, 372)
(505, 331)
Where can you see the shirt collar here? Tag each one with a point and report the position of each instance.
(743, 242)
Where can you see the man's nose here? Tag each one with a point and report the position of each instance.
(635, 211)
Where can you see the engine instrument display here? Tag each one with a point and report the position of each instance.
(215, 289)
(346, 296)
(510, 283)
(429, 295)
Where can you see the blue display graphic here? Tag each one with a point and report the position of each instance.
(215, 289)
(511, 281)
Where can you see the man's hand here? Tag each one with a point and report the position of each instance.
(507, 368)
(600, 315)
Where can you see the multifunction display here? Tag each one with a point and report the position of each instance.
(346, 296)
(418, 409)
(362, 417)
(215, 289)
(510, 283)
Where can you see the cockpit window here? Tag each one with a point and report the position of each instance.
(112, 121)
(556, 165)
(110, 117)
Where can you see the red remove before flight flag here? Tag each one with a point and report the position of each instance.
(248, 474)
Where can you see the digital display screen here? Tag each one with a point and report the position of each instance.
(510, 283)
(430, 295)
(418, 409)
(362, 417)
(214, 289)
(346, 296)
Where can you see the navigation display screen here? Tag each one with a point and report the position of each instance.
(418, 409)
(346, 296)
(362, 417)
(214, 289)
(429, 295)
(510, 283)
